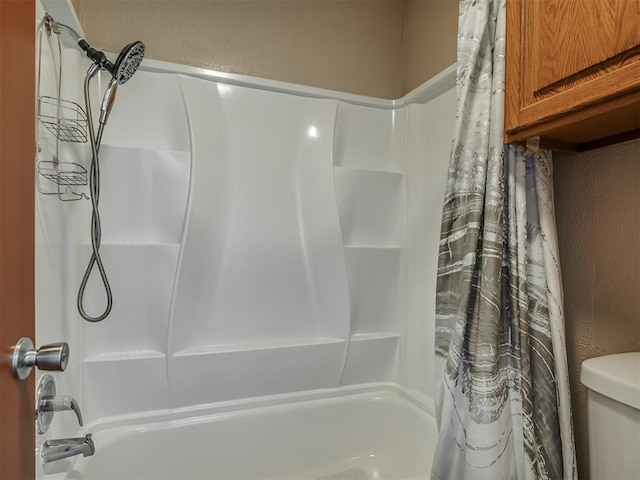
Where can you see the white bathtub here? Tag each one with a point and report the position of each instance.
(372, 435)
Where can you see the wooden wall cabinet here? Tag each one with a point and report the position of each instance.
(573, 72)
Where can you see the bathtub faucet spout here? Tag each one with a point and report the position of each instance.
(53, 450)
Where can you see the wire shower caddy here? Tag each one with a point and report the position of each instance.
(67, 122)
(64, 119)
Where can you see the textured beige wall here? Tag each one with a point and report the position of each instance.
(383, 48)
(597, 198)
(429, 39)
(349, 45)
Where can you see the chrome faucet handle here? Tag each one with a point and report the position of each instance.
(47, 402)
(60, 403)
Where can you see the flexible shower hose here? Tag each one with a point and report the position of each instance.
(96, 229)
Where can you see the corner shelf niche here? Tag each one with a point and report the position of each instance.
(374, 275)
(374, 282)
(372, 358)
(141, 276)
(115, 371)
(370, 195)
(370, 205)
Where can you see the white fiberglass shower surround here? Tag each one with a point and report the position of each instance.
(272, 251)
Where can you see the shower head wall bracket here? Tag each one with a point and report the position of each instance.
(122, 69)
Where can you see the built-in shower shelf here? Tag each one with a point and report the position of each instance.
(124, 356)
(142, 150)
(128, 244)
(373, 171)
(254, 346)
(370, 173)
(374, 336)
(373, 248)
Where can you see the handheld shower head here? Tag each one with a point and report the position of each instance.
(125, 65)
(122, 70)
(128, 62)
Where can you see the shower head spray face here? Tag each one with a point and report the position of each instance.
(128, 62)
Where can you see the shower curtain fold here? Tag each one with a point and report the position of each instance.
(503, 399)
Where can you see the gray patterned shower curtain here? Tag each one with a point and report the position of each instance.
(503, 402)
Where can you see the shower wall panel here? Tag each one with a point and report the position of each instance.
(145, 163)
(429, 136)
(256, 244)
(261, 296)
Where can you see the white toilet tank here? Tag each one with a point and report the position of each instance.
(613, 404)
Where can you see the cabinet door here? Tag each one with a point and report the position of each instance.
(569, 61)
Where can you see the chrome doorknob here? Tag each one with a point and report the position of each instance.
(52, 357)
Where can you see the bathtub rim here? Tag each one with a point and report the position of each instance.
(415, 398)
(113, 429)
